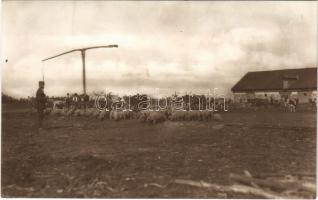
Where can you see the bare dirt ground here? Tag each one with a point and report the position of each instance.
(84, 157)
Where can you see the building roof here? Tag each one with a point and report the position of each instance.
(262, 81)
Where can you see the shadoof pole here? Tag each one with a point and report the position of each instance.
(83, 53)
(84, 71)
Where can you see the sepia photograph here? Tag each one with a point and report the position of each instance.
(159, 99)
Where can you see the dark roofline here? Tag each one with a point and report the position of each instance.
(276, 90)
(273, 89)
(278, 70)
(239, 81)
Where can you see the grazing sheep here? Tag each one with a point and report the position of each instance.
(77, 113)
(116, 115)
(111, 115)
(217, 117)
(95, 113)
(178, 115)
(166, 112)
(82, 113)
(88, 112)
(193, 115)
(156, 117)
(103, 115)
(57, 112)
(70, 112)
(122, 114)
(127, 114)
(47, 111)
(134, 115)
(206, 115)
(143, 115)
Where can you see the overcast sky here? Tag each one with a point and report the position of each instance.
(174, 46)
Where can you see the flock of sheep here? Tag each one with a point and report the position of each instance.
(152, 117)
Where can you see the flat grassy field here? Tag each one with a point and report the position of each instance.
(84, 157)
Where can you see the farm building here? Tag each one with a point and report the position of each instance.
(300, 84)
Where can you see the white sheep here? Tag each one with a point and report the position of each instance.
(95, 113)
(119, 114)
(88, 112)
(134, 115)
(156, 116)
(103, 115)
(178, 115)
(143, 115)
(217, 117)
(127, 114)
(77, 112)
(192, 115)
(69, 112)
(206, 115)
(47, 111)
(82, 113)
(57, 112)
(116, 115)
(111, 115)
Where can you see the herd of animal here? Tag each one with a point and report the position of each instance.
(152, 117)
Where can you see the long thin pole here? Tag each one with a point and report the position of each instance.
(84, 71)
(82, 49)
(61, 54)
(83, 59)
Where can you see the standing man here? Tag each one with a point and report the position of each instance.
(68, 102)
(76, 101)
(40, 103)
(86, 101)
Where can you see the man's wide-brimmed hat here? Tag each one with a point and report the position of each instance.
(41, 82)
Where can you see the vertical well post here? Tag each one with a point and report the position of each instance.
(84, 72)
